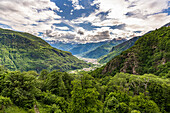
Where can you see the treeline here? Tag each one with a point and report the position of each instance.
(60, 92)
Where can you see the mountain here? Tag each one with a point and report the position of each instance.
(61, 45)
(104, 49)
(116, 50)
(75, 48)
(23, 51)
(150, 54)
(81, 49)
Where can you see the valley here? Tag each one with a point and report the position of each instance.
(84, 56)
(134, 79)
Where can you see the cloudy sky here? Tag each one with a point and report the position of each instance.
(84, 20)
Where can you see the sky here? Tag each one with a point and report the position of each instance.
(84, 21)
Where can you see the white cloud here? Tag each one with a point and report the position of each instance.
(146, 16)
(21, 15)
(76, 5)
(63, 28)
(136, 15)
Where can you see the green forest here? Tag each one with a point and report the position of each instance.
(60, 92)
(136, 81)
(24, 52)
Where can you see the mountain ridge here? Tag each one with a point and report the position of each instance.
(23, 51)
(103, 49)
(116, 50)
(150, 54)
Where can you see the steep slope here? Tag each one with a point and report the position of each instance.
(23, 51)
(81, 49)
(150, 54)
(104, 49)
(116, 50)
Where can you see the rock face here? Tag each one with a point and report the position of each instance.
(150, 54)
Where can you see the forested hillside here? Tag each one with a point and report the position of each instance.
(116, 50)
(104, 49)
(150, 54)
(22, 51)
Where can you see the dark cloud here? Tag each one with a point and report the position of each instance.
(100, 36)
(137, 31)
(103, 15)
(129, 14)
(121, 26)
(80, 32)
(136, 14)
(62, 24)
(48, 33)
(132, 5)
(87, 26)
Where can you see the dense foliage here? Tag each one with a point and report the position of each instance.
(60, 92)
(150, 54)
(116, 50)
(22, 51)
(103, 49)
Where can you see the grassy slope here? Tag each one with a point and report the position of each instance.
(117, 50)
(23, 51)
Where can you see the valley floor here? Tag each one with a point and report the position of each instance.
(88, 60)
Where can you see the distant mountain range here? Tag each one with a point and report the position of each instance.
(75, 48)
(61, 45)
(88, 50)
(24, 52)
(103, 49)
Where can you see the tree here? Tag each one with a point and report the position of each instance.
(111, 104)
(4, 102)
(55, 84)
(143, 104)
(84, 96)
(20, 88)
(43, 74)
